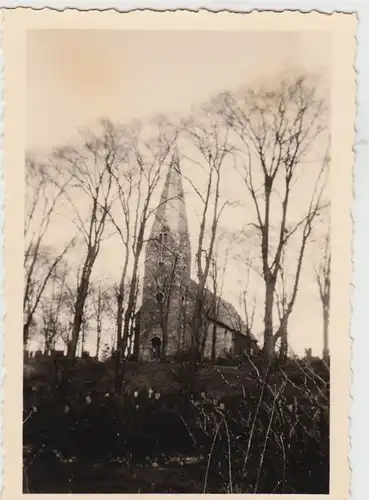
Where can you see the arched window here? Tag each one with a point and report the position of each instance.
(165, 237)
(159, 297)
(161, 264)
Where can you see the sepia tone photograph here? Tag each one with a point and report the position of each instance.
(177, 247)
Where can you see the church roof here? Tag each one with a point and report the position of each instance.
(220, 311)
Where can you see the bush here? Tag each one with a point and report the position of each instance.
(272, 439)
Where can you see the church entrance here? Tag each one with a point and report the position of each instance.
(156, 347)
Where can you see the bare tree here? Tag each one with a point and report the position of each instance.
(217, 280)
(124, 179)
(40, 261)
(101, 310)
(136, 182)
(248, 300)
(323, 279)
(207, 135)
(276, 132)
(90, 166)
(68, 299)
(52, 308)
(84, 331)
(282, 305)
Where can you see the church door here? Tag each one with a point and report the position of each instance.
(156, 347)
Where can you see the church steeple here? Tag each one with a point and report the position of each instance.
(167, 266)
(171, 214)
(169, 238)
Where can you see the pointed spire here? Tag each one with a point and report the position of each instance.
(175, 160)
(171, 213)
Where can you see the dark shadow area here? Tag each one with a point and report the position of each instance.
(255, 434)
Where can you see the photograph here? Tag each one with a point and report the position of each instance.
(177, 247)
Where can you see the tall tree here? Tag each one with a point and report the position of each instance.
(136, 182)
(216, 276)
(323, 279)
(276, 132)
(43, 194)
(100, 298)
(248, 295)
(207, 137)
(53, 307)
(90, 164)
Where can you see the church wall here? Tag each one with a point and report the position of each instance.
(146, 331)
(151, 321)
(179, 336)
(223, 341)
(209, 342)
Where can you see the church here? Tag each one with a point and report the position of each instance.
(163, 322)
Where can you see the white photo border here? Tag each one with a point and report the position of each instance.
(359, 412)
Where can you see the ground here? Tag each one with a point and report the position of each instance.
(160, 377)
(159, 439)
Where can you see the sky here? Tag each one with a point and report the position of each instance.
(74, 78)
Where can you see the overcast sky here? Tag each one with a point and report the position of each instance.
(77, 77)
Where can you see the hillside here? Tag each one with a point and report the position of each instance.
(168, 378)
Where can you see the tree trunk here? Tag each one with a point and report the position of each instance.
(204, 338)
(120, 308)
(25, 335)
(48, 345)
(77, 322)
(213, 343)
(268, 322)
(129, 311)
(98, 340)
(82, 292)
(83, 337)
(283, 351)
(78, 319)
(164, 345)
(164, 316)
(325, 333)
(119, 323)
(196, 325)
(122, 339)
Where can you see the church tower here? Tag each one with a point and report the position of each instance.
(162, 321)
